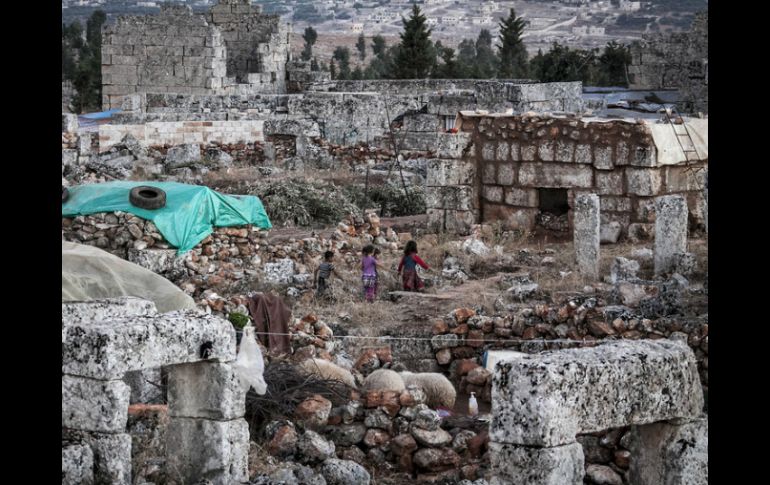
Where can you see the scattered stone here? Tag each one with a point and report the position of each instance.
(434, 439)
(312, 447)
(344, 472)
(603, 475)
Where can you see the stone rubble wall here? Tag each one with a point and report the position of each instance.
(514, 156)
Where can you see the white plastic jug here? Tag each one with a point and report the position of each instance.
(473, 406)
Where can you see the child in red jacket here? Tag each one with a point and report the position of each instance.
(409, 262)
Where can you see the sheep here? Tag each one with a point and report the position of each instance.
(385, 380)
(328, 370)
(437, 388)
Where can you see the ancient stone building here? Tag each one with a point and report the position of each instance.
(521, 167)
(232, 49)
(675, 61)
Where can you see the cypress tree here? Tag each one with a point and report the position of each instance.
(415, 57)
(513, 54)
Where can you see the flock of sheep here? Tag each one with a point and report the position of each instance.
(438, 390)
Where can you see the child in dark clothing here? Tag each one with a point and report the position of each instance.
(324, 272)
(411, 281)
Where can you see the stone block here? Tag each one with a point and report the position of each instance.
(503, 151)
(587, 234)
(609, 233)
(603, 159)
(450, 172)
(102, 310)
(643, 181)
(528, 153)
(111, 454)
(643, 156)
(583, 154)
(205, 390)
(609, 183)
(558, 465)
(621, 154)
(69, 123)
(555, 176)
(77, 463)
(670, 231)
(549, 398)
(217, 450)
(94, 405)
(451, 145)
(492, 193)
(515, 151)
(488, 174)
(456, 197)
(546, 151)
(669, 454)
(488, 152)
(521, 197)
(615, 204)
(108, 349)
(565, 151)
(69, 157)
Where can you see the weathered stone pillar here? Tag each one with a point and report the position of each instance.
(587, 225)
(670, 231)
(207, 435)
(556, 465)
(69, 123)
(669, 454)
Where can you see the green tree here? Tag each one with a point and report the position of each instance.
(333, 69)
(310, 36)
(486, 61)
(357, 74)
(361, 46)
(378, 46)
(342, 56)
(466, 59)
(94, 29)
(561, 64)
(511, 50)
(415, 57)
(613, 65)
(448, 68)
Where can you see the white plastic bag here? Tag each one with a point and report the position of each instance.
(249, 365)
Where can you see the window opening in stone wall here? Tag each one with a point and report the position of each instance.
(449, 122)
(554, 210)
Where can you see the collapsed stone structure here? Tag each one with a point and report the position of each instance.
(101, 342)
(541, 402)
(678, 60)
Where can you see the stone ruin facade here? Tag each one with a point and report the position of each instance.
(102, 342)
(233, 48)
(542, 402)
(677, 60)
(513, 168)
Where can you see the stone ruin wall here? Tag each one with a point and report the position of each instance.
(257, 45)
(175, 51)
(677, 60)
(184, 53)
(514, 156)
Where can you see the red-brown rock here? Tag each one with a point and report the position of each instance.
(463, 314)
(461, 329)
(463, 352)
(313, 412)
(403, 444)
(475, 339)
(465, 366)
(440, 327)
(376, 437)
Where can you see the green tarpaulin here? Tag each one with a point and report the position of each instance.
(190, 214)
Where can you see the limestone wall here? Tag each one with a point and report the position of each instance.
(180, 132)
(516, 156)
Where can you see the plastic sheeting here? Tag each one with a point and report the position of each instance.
(89, 273)
(190, 214)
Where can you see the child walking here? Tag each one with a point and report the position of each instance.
(369, 276)
(411, 281)
(324, 272)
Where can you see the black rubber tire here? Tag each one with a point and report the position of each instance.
(146, 197)
(65, 194)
